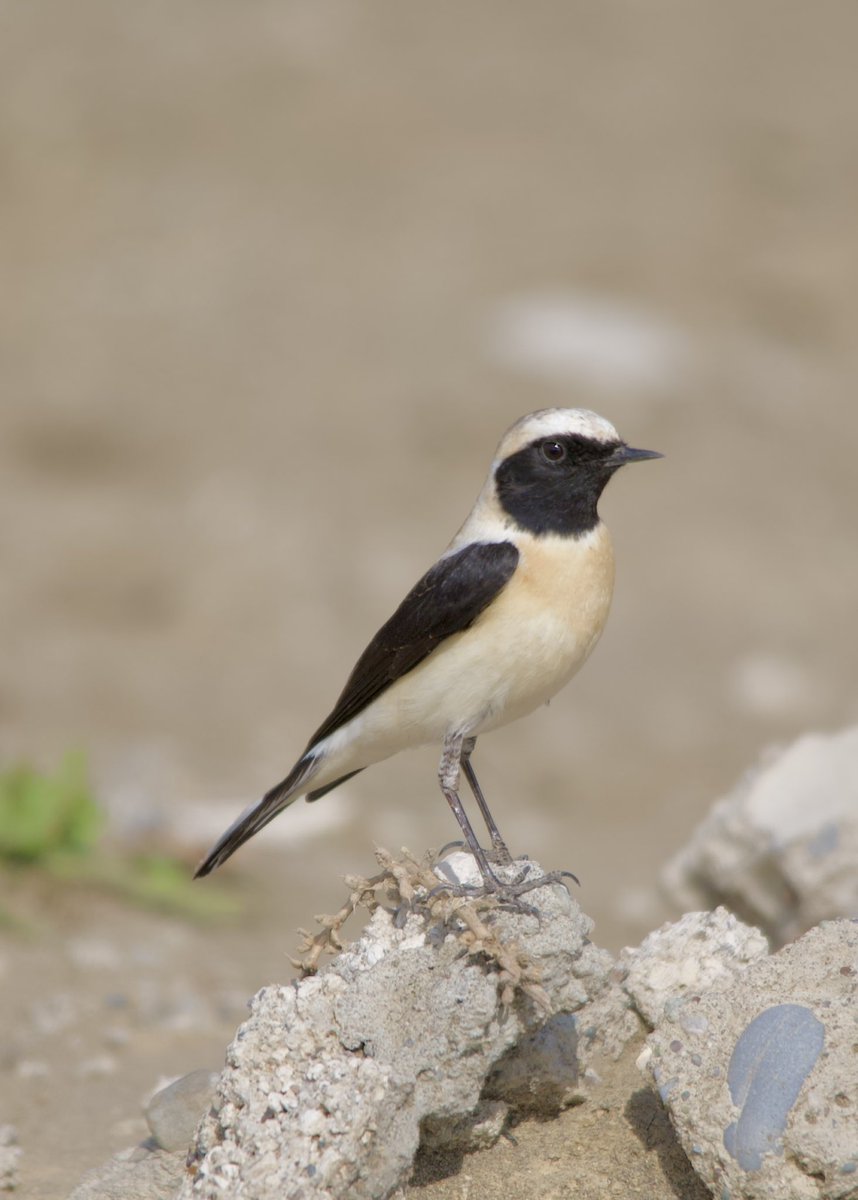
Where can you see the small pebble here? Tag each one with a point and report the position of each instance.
(99, 1065)
(116, 1036)
(55, 1013)
(93, 954)
(32, 1068)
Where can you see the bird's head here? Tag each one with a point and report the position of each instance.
(552, 466)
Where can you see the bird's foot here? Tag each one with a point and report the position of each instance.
(506, 892)
(500, 893)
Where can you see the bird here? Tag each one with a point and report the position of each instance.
(499, 624)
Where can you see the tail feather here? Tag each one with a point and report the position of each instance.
(256, 816)
(318, 793)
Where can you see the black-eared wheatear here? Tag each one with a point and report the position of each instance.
(495, 628)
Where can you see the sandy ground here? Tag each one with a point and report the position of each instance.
(275, 279)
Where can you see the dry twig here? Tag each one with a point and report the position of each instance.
(407, 884)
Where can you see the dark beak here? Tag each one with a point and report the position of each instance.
(626, 454)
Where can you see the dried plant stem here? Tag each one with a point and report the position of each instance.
(407, 884)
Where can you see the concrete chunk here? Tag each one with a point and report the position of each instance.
(761, 1078)
(328, 1084)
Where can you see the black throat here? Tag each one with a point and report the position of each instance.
(545, 497)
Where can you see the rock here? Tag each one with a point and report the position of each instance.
(32, 1068)
(154, 1170)
(95, 1066)
(780, 850)
(138, 1174)
(328, 1083)
(560, 1063)
(760, 1077)
(450, 1016)
(459, 867)
(699, 952)
(473, 1131)
(541, 1073)
(10, 1155)
(175, 1111)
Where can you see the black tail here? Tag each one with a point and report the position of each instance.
(318, 793)
(258, 815)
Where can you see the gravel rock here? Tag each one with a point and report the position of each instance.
(701, 951)
(781, 849)
(761, 1078)
(138, 1174)
(329, 1081)
(444, 1019)
(175, 1111)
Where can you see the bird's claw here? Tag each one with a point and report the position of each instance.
(502, 893)
(507, 893)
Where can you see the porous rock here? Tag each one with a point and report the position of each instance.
(780, 849)
(761, 1078)
(329, 1082)
(701, 950)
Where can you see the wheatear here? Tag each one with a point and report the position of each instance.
(501, 622)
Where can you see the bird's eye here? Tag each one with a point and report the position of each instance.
(553, 452)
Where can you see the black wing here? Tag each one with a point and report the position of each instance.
(449, 598)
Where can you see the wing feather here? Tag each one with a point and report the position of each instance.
(449, 598)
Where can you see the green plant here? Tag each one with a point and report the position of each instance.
(53, 822)
(45, 815)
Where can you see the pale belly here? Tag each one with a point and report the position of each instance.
(515, 657)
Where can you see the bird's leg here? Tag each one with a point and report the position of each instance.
(501, 853)
(452, 758)
(448, 777)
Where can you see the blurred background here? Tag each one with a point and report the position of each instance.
(275, 279)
